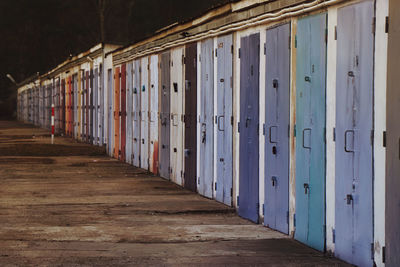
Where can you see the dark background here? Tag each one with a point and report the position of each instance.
(37, 35)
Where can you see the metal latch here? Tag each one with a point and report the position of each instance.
(274, 181)
(306, 188)
(349, 199)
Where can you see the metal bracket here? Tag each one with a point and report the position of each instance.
(334, 134)
(384, 138)
(387, 24)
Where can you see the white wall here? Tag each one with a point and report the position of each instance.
(330, 125)
(381, 44)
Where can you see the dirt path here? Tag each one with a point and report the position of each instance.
(70, 205)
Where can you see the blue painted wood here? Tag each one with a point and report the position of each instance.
(136, 116)
(277, 120)
(354, 125)
(224, 125)
(310, 130)
(165, 99)
(249, 123)
(129, 112)
(206, 169)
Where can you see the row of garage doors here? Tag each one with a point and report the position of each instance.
(204, 115)
(172, 114)
(155, 121)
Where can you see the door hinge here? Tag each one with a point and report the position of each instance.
(372, 251)
(384, 138)
(240, 52)
(216, 52)
(295, 41)
(263, 210)
(231, 49)
(294, 130)
(326, 35)
(372, 137)
(265, 48)
(232, 120)
(334, 134)
(231, 192)
(294, 220)
(387, 24)
(373, 25)
(383, 254)
(215, 186)
(238, 127)
(287, 217)
(335, 32)
(216, 119)
(264, 129)
(237, 200)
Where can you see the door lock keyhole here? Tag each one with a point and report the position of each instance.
(349, 199)
(274, 150)
(273, 179)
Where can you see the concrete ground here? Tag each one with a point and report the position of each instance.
(68, 204)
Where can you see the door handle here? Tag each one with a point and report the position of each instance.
(346, 133)
(270, 134)
(304, 146)
(219, 123)
(306, 188)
